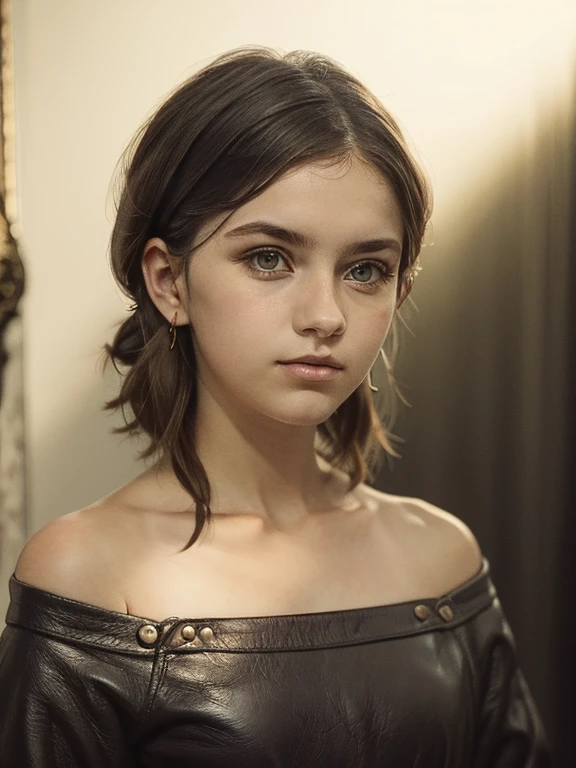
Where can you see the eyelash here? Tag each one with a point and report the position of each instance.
(385, 274)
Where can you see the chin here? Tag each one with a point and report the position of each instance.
(309, 416)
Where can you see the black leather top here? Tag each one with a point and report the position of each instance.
(431, 682)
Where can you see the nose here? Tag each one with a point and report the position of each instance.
(318, 306)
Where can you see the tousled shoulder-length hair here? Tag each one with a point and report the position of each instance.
(219, 140)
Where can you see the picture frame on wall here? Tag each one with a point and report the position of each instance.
(12, 283)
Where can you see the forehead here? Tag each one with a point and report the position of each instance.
(351, 183)
(348, 197)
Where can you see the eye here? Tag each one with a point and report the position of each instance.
(268, 258)
(368, 267)
(264, 257)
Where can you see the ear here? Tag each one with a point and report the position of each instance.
(167, 291)
(406, 287)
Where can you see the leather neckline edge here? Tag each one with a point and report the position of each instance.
(459, 594)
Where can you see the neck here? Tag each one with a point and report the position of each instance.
(264, 470)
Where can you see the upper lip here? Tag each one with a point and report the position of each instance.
(316, 360)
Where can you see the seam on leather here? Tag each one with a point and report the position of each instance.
(157, 674)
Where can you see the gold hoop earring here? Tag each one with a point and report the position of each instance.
(372, 387)
(172, 330)
(388, 371)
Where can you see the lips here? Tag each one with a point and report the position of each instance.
(310, 372)
(326, 361)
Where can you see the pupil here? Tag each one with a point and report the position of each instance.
(267, 256)
(365, 268)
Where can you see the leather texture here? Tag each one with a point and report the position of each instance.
(427, 683)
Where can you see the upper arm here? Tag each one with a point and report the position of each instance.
(69, 557)
(68, 703)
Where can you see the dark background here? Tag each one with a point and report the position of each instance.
(489, 371)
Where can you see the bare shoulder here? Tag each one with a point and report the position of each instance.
(75, 556)
(443, 548)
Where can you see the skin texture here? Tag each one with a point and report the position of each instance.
(256, 425)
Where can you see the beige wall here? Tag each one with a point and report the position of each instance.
(464, 82)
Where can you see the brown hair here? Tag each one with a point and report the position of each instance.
(219, 140)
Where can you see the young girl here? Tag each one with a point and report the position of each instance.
(249, 600)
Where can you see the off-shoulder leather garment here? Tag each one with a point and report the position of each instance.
(428, 683)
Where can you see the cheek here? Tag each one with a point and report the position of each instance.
(229, 326)
(239, 330)
(374, 327)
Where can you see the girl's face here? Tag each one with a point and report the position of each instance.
(323, 282)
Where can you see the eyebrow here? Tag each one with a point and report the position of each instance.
(302, 241)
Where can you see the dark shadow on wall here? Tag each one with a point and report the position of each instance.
(490, 375)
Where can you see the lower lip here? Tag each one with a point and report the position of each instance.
(310, 372)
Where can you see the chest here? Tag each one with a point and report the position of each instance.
(330, 568)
